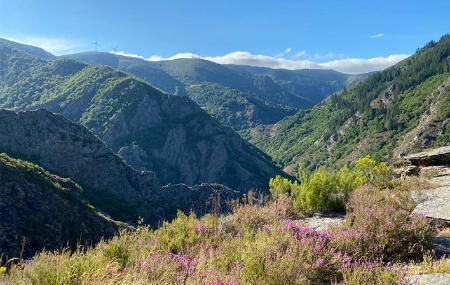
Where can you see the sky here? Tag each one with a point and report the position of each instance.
(349, 36)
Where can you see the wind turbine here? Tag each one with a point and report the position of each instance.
(96, 44)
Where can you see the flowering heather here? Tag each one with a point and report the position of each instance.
(256, 244)
(379, 225)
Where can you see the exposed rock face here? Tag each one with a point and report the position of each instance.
(433, 203)
(438, 156)
(41, 210)
(430, 279)
(429, 125)
(110, 184)
(72, 151)
(322, 223)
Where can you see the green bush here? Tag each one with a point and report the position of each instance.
(377, 174)
(325, 191)
(281, 186)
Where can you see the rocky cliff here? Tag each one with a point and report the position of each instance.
(41, 210)
(110, 184)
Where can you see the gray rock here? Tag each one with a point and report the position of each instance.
(430, 279)
(321, 222)
(438, 156)
(433, 203)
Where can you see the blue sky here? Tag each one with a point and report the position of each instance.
(282, 33)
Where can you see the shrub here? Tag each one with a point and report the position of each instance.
(377, 174)
(117, 252)
(179, 235)
(373, 273)
(325, 191)
(281, 186)
(379, 225)
(254, 217)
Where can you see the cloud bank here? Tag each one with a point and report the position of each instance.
(345, 65)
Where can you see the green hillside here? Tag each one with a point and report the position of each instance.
(268, 91)
(167, 134)
(234, 108)
(41, 210)
(401, 109)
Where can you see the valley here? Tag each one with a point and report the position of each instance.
(241, 169)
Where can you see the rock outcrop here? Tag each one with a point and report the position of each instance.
(110, 184)
(41, 210)
(435, 157)
(72, 151)
(433, 203)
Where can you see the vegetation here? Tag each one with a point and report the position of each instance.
(328, 191)
(256, 244)
(234, 108)
(41, 210)
(378, 116)
(291, 89)
(169, 134)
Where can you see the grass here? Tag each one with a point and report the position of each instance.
(255, 244)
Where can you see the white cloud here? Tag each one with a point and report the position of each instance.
(53, 45)
(346, 65)
(300, 53)
(288, 50)
(377, 36)
(122, 53)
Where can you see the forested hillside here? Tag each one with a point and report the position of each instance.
(264, 95)
(167, 134)
(401, 109)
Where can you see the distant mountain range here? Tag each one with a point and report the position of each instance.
(238, 96)
(164, 133)
(400, 110)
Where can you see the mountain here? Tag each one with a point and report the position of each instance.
(167, 134)
(312, 84)
(109, 184)
(35, 51)
(399, 110)
(235, 108)
(41, 210)
(70, 150)
(270, 93)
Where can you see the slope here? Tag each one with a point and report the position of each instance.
(41, 210)
(168, 134)
(110, 185)
(282, 90)
(403, 108)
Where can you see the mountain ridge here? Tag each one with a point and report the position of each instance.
(179, 140)
(300, 89)
(370, 117)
